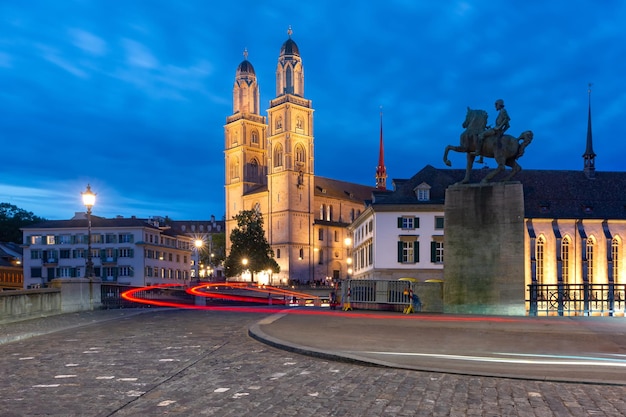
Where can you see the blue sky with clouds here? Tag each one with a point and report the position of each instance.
(132, 96)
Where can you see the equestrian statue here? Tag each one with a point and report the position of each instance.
(478, 139)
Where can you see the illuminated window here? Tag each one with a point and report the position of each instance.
(539, 252)
(590, 246)
(616, 259)
(565, 249)
(254, 137)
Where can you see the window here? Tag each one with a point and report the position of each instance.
(252, 169)
(320, 234)
(423, 195)
(279, 122)
(64, 254)
(50, 240)
(408, 251)
(125, 253)
(96, 238)
(301, 254)
(299, 123)
(439, 222)
(111, 238)
(322, 211)
(278, 155)
(254, 137)
(565, 248)
(336, 236)
(321, 260)
(539, 259)
(436, 251)
(66, 272)
(616, 260)
(125, 271)
(234, 168)
(300, 155)
(126, 238)
(407, 222)
(590, 245)
(277, 253)
(35, 254)
(35, 240)
(65, 239)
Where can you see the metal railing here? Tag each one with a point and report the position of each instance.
(378, 291)
(576, 299)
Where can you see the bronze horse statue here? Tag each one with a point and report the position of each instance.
(505, 149)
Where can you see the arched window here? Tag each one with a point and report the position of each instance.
(539, 253)
(252, 169)
(321, 260)
(289, 81)
(278, 155)
(329, 214)
(234, 168)
(236, 138)
(590, 245)
(299, 123)
(351, 215)
(615, 255)
(301, 254)
(277, 253)
(254, 137)
(322, 208)
(300, 154)
(565, 249)
(279, 122)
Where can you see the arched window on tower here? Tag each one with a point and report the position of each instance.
(289, 81)
(300, 154)
(565, 250)
(279, 122)
(278, 155)
(252, 171)
(539, 257)
(234, 168)
(254, 137)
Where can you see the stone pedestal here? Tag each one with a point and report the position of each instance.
(484, 249)
(78, 294)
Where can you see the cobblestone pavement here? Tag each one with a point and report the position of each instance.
(203, 363)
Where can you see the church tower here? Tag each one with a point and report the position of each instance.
(245, 143)
(290, 169)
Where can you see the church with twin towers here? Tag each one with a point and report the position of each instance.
(270, 167)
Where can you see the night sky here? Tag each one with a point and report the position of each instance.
(132, 96)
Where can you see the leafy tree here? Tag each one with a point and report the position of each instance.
(12, 218)
(217, 249)
(248, 242)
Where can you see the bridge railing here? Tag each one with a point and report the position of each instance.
(576, 299)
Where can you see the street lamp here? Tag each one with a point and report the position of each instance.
(198, 243)
(348, 242)
(89, 199)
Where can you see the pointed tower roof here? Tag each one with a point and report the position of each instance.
(589, 156)
(381, 170)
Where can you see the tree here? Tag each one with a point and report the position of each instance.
(12, 218)
(248, 243)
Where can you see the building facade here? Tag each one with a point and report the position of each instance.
(269, 167)
(127, 251)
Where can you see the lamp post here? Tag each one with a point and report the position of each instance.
(244, 262)
(348, 242)
(89, 199)
(198, 243)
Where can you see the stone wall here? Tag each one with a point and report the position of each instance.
(27, 304)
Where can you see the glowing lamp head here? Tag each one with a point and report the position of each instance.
(89, 198)
(244, 261)
(199, 243)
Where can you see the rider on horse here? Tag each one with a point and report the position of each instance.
(502, 124)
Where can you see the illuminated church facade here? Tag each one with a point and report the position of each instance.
(269, 166)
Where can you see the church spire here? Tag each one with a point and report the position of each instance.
(381, 171)
(589, 156)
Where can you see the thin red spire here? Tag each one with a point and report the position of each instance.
(381, 171)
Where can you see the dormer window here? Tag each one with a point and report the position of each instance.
(422, 192)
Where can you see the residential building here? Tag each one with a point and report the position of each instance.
(129, 251)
